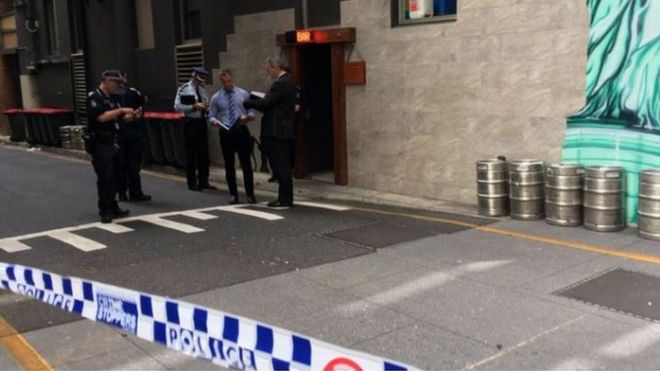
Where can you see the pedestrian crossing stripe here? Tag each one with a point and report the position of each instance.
(69, 237)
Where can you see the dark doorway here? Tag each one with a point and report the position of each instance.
(316, 102)
(13, 72)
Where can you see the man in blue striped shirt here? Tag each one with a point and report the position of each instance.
(227, 113)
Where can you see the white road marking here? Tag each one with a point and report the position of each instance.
(254, 213)
(181, 227)
(13, 245)
(420, 285)
(114, 228)
(79, 242)
(576, 364)
(524, 343)
(322, 205)
(198, 215)
(633, 343)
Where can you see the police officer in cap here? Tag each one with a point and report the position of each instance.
(192, 100)
(103, 116)
(130, 146)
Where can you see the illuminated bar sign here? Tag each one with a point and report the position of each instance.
(299, 37)
(304, 36)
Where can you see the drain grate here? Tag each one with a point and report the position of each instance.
(633, 293)
(378, 235)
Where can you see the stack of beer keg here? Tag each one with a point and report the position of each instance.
(566, 194)
(72, 136)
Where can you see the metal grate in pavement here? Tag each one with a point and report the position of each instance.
(628, 292)
(378, 235)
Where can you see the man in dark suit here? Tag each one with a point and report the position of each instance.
(277, 127)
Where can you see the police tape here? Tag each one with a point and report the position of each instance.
(224, 339)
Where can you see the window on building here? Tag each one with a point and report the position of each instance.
(53, 39)
(409, 12)
(145, 24)
(190, 18)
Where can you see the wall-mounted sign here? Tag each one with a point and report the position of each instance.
(324, 36)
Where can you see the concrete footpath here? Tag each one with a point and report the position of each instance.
(487, 297)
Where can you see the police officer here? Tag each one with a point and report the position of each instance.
(192, 100)
(103, 116)
(130, 146)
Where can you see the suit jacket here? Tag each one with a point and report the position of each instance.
(278, 107)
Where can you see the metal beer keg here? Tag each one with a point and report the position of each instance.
(493, 187)
(563, 194)
(648, 209)
(526, 189)
(604, 198)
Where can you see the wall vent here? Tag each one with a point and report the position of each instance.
(80, 90)
(188, 56)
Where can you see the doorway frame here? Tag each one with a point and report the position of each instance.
(337, 38)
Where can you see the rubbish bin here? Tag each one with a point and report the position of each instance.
(146, 147)
(40, 121)
(154, 137)
(175, 121)
(16, 124)
(53, 119)
(30, 117)
(166, 137)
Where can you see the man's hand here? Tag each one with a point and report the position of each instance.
(245, 119)
(200, 107)
(129, 114)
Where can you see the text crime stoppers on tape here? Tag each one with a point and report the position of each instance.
(225, 339)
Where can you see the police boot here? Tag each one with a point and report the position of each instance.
(120, 213)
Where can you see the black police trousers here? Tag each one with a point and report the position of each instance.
(197, 152)
(105, 161)
(130, 159)
(237, 140)
(280, 151)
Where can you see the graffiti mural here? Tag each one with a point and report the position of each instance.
(620, 123)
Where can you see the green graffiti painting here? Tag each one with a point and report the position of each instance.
(620, 123)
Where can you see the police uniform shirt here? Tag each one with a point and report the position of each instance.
(97, 104)
(132, 98)
(198, 94)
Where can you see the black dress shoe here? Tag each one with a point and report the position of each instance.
(208, 186)
(251, 199)
(120, 213)
(273, 179)
(106, 218)
(234, 200)
(277, 204)
(141, 198)
(194, 188)
(122, 196)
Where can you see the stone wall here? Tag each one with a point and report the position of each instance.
(498, 80)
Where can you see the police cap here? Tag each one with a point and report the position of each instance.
(112, 75)
(201, 73)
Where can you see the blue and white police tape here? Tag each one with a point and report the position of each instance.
(223, 338)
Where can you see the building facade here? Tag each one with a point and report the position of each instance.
(478, 79)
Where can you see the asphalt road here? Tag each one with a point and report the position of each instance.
(41, 194)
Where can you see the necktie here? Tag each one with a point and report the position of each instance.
(232, 109)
